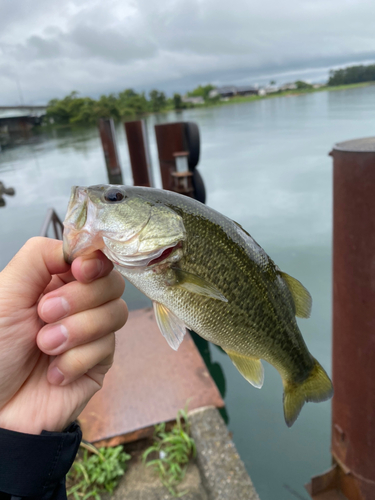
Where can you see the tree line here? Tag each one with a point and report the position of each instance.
(129, 104)
(352, 74)
(74, 109)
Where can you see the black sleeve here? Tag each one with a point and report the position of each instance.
(35, 466)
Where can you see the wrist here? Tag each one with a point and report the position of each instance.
(29, 425)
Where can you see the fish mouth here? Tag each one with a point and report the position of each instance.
(77, 243)
(143, 260)
(165, 254)
(76, 240)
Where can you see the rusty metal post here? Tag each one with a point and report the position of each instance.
(170, 138)
(108, 138)
(353, 405)
(173, 139)
(137, 139)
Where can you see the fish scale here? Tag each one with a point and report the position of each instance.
(214, 279)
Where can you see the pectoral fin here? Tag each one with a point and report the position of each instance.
(250, 368)
(171, 327)
(301, 297)
(196, 284)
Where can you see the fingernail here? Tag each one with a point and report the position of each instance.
(55, 376)
(92, 268)
(54, 336)
(55, 308)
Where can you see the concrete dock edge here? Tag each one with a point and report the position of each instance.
(222, 471)
(217, 473)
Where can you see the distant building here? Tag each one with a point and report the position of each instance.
(318, 85)
(231, 91)
(227, 91)
(16, 121)
(271, 89)
(213, 93)
(193, 100)
(20, 118)
(288, 86)
(247, 90)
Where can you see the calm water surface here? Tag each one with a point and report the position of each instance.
(266, 165)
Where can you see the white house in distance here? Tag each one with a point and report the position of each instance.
(193, 100)
(288, 86)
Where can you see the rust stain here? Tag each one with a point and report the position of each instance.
(147, 384)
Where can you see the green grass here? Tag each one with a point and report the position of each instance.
(172, 451)
(96, 471)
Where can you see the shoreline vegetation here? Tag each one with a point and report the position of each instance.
(130, 105)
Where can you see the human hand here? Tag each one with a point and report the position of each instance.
(57, 340)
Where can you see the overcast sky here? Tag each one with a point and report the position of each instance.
(51, 47)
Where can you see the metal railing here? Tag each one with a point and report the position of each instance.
(52, 219)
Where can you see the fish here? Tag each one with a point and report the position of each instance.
(205, 273)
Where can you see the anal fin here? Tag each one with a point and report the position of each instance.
(171, 327)
(250, 368)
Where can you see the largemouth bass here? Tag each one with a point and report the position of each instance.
(204, 272)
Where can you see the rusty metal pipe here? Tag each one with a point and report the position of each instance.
(169, 138)
(140, 160)
(353, 405)
(108, 138)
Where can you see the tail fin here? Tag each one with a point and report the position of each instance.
(316, 387)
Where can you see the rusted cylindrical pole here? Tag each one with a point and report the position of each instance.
(140, 160)
(353, 404)
(108, 138)
(170, 138)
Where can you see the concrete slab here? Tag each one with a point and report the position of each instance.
(222, 470)
(141, 483)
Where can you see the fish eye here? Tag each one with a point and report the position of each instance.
(114, 195)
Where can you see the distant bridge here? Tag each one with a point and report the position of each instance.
(22, 111)
(15, 120)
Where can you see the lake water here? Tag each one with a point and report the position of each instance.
(265, 164)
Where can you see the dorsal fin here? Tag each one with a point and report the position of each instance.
(301, 297)
(244, 230)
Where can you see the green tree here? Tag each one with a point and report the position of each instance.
(157, 101)
(202, 91)
(303, 85)
(132, 104)
(86, 114)
(352, 74)
(177, 102)
(62, 110)
(107, 107)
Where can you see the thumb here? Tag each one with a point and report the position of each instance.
(30, 271)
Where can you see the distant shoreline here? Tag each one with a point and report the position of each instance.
(217, 102)
(286, 93)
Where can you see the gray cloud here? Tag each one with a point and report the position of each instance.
(95, 47)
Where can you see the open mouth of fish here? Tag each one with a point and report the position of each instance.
(142, 260)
